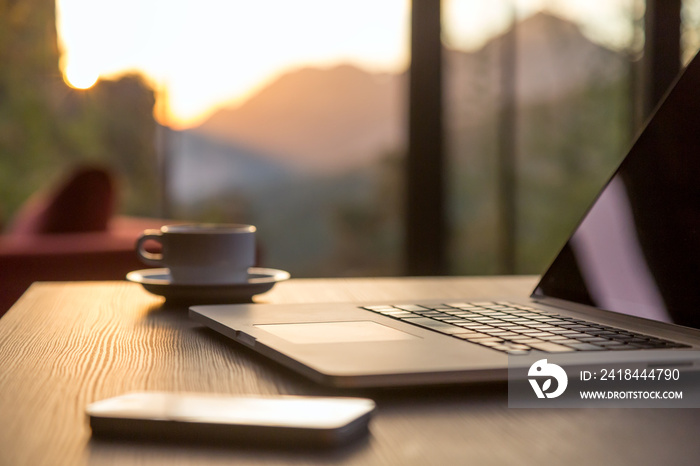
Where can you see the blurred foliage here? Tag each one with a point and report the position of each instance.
(367, 229)
(569, 150)
(47, 128)
(566, 150)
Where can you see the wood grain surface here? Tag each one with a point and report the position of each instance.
(64, 345)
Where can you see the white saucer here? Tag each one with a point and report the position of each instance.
(158, 281)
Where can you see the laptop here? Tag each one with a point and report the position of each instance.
(625, 288)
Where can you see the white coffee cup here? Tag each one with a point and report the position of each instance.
(202, 253)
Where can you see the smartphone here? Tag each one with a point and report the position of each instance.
(197, 418)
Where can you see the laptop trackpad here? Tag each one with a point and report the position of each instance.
(334, 332)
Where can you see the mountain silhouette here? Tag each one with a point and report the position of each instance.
(330, 120)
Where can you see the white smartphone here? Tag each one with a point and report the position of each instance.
(277, 420)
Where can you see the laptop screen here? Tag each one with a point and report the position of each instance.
(637, 250)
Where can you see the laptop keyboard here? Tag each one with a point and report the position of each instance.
(517, 329)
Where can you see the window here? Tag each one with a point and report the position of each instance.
(539, 114)
(293, 116)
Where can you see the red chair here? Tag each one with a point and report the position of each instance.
(69, 233)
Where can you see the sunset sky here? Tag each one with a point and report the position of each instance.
(202, 54)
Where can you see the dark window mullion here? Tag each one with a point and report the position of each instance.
(662, 50)
(425, 235)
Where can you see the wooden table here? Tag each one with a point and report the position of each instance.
(64, 345)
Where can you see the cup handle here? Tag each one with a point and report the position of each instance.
(145, 256)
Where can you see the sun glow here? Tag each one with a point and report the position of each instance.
(202, 54)
(80, 77)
